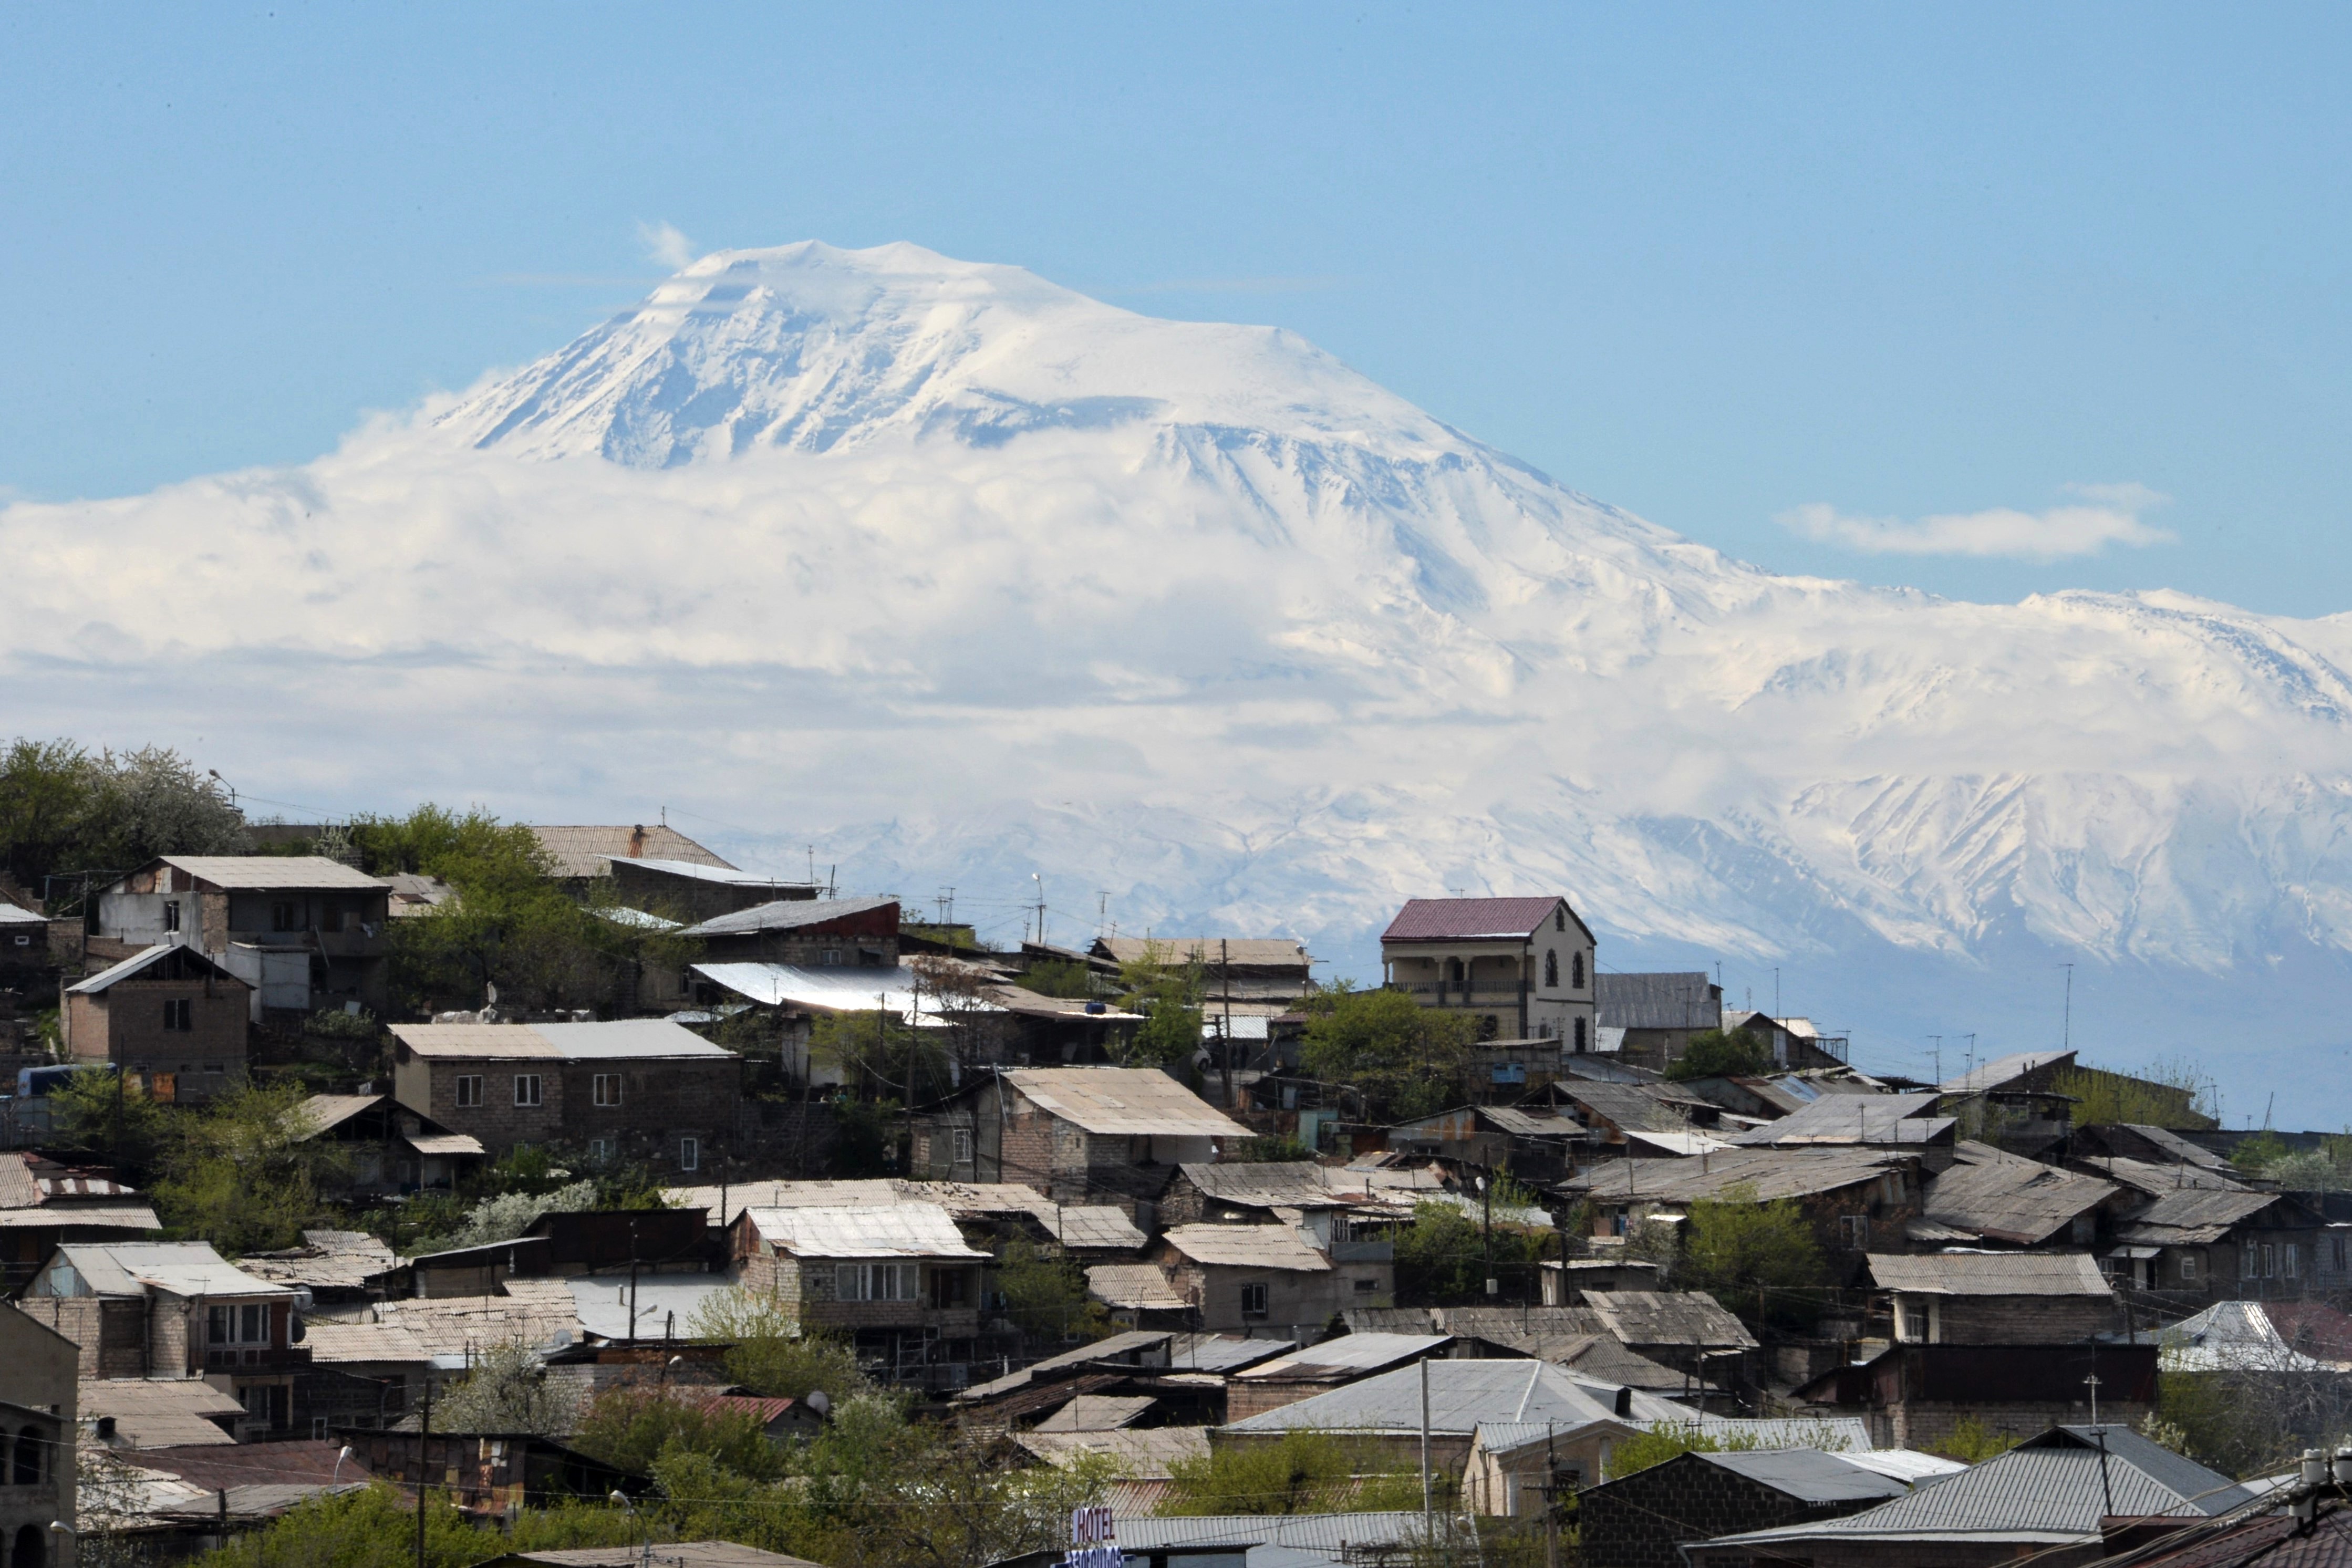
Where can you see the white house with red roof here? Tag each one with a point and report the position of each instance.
(1523, 966)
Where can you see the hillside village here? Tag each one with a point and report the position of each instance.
(353, 1171)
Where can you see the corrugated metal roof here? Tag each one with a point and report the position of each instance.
(329, 1343)
(12, 915)
(1098, 1413)
(666, 1304)
(1531, 1123)
(1350, 1356)
(182, 1268)
(2016, 1201)
(838, 988)
(903, 1229)
(1656, 1001)
(320, 1112)
(1807, 1474)
(1848, 1119)
(787, 914)
(114, 974)
(1135, 1100)
(1462, 1395)
(1991, 1274)
(623, 1040)
(2194, 1215)
(2052, 1487)
(446, 1143)
(725, 875)
(2155, 1180)
(1626, 1106)
(1773, 1173)
(1301, 1538)
(1907, 1465)
(531, 1313)
(583, 851)
(125, 1216)
(18, 1189)
(1137, 1287)
(1469, 919)
(158, 1412)
(1143, 1455)
(1248, 1247)
(2181, 1148)
(1220, 1351)
(1669, 1317)
(336, 1260)
(290, 873)
(2004, 1070)
(1287, 1184)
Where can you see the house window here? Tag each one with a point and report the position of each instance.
(247, 1325)
(600, 1148)
(1854, 1230)
(180, 1015)
(172, 914)
(1366, 1287)
(2293, 1263)
(469, 1090)
(689, 1154)
(2339, 1254)
(1552, 970)
(1580, 1046)
(832, 956)
(1575, 972)
(1254, 1300)
(874, 1281)
(527, 1091)
(685, 982)
(1916, 1328)
(285, 917)
(1560, 918)
(2188, 1266)
(608, 1089)
(964, 1145)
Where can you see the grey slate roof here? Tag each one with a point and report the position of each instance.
(266, 872)
(1656, 1001)
(2002, 1071)
(588, 851)
(2048, 1488)
(1350, 1356)
(2155, 1180)
(2181, 1148)
(2194, 1216)
(1631, 1107)
(1773, 1173)
(1669, 1317)
(1284, 1184)
(1991, 1274)
(1868, 1120)
(2004, 1199)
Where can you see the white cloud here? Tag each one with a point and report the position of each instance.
(665, 245)
(2104, 515)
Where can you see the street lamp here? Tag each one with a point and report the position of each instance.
(645, 1537)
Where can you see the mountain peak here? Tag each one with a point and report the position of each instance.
(810, 346)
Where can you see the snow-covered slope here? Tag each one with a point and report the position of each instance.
(966, 575)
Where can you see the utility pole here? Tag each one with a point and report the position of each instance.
(1776, 993)
(423, 1445)
(1939, 1058)
(1225, 978)
(2066, 1026)
(1426, 1533)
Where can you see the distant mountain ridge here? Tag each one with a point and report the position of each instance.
(970, 576)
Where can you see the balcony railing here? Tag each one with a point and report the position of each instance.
(255, 1357)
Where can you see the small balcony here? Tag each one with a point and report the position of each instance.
(256, 1357)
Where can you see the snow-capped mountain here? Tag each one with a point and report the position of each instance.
(963, 576)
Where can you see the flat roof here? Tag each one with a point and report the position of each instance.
(623, 1040)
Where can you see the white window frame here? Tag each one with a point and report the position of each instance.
(468, 1089)
(600, 1148)
(1257, 1300)
(689, 1154)
(238, 1323)
(605, 1087)
(875, 1282)
(530, 1089)
(2294, 1262)
(964, 1145)
(1854, 1230)
(2189, 1266)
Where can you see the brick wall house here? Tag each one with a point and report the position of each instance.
(173, 1015)
(642, 1089)
(899, 1279)
(306, 932)
(1077, 1135)
(1268, 1280)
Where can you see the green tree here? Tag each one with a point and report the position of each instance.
(1442, 1258)
(508, 1390)
(1045, 1295)
(1722, 1053)
(1754, 1258)
(634, 1427)
(63, 809)
(769, 1353)
(1059, 977)
(1408, 1060)
(46, 802)
(96, 1109)
(1169, 996)
(2165, 1094)
(242, 1172)
(1304, 1471)
(1664, 1440)
(1972, 1442)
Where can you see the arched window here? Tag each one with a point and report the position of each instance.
(1559, 917)
(1575, 972)
(1580, 1037)
(1551, 971)
(26, 1470)
(30, 1551)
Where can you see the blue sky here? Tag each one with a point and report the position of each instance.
(1716, 265)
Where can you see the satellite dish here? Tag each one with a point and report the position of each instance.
(818, 1402)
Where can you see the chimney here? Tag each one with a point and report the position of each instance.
(638, 842)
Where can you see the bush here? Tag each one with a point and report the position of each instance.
(1408, 1060)
(1751, 1257)
(1972, 1442)
(1045, 1295)
(1722, 1053)
(634, 1428)
(768, 1354)
(508, 1390)
(1307, 1471)
(1441, 1257)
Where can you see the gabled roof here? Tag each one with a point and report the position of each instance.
(2021, 1202)
(1669, 1317)
(839, 989)
(1629, 1107)
(1475, 919)
(323, 1113)
(697, 871)
(2051, 1489)
(2181, 1148)
(1657, 1001)
(1135, 1100)
(1808, 1475)
(903, 1229)
(1855, 1120)
(1991, 1274)
(2242, 1336)
(2155, 1180)
(1773, 1173)
(787, 914)
(2003, 1071)
(586, 851)
(10, 915)
(1248, 1247)
(1463, 1395)
(1135, 1287)
(1284, 1184)
(261, 873)
(623, 1040)
(1349, 1356)
(141, 962)
(2193, 1216)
